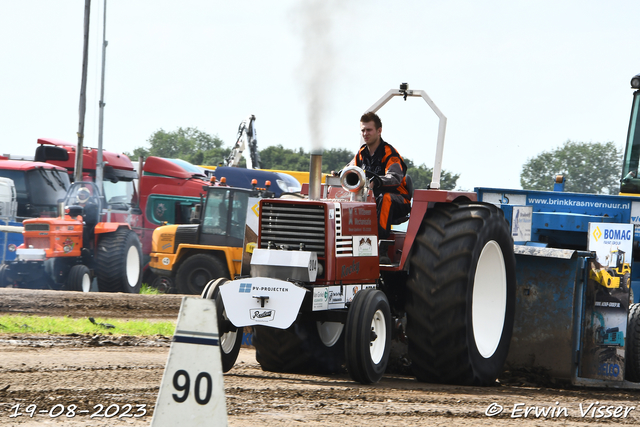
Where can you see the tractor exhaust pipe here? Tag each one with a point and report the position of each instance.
(315, 175)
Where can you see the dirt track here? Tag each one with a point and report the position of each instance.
(54, 373)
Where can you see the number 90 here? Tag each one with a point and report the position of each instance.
(182, 385)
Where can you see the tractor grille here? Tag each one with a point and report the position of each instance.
(292, 226)
(36, 227)
(344, 244)
(37, 243)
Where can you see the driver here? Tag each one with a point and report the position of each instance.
(379, 157)
(83, 195)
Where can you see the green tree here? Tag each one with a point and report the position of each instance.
(422, 175)
(278, 157)
(587, 167)
(189, 144)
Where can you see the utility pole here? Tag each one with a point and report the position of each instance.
(100, 165)
(83, 93)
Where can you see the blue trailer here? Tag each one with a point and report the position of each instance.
(577, 316)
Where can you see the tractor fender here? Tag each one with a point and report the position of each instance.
(421, 201)
(109, 227)
(232, 257)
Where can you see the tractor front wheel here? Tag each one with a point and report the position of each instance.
(368, 336)
(230, 337)
(79, 278)
(461, 294)
(197, 271)
(118, 262)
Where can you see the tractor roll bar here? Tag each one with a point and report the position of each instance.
(404, 91)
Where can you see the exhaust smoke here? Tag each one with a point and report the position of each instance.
(314, 22)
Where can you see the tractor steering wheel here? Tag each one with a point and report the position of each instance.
(377, 181)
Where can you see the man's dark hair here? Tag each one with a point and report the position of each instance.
(371, 117)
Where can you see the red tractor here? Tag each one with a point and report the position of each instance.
(68, 251)
(318, 298)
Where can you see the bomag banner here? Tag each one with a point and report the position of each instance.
(607, 301)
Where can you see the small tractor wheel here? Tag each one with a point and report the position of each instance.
(119, 262)
(299, 349)
(230, 336)
(4, 279)
(632, 357)
(461, 294)
(79, 278)
(198, 270)
(368, 336)
(163, 284)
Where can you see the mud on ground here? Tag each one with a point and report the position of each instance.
(100, 373)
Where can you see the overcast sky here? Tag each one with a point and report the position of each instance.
(514, 78)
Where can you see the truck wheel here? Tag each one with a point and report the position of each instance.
(368, 336)
(79, 278)
(461, 294)
(299, 349)
(198, 270)
(230, 337)
(118, 262)
(632, 357)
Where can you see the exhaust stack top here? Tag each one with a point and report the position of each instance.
(315, 175)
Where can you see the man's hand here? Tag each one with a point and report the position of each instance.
(375, 182)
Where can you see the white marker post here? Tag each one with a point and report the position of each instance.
(192, 389)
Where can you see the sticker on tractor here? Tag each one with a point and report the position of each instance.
(604, 324)
(365, 246)
(521, 223)
(260, 315)
(166, 261)
(67, 245)
(320, 299)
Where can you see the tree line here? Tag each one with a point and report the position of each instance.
(592, 167)
(200, 148)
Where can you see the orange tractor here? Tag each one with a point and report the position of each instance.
(81, 244)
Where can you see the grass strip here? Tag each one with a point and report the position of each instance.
(19, 324)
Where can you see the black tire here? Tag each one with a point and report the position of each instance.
(4, 279)
(632, 356)
(230, 337)
(119, 262)
(368, 336)
(163, 284)
(79, 278)
(459, 326)
(298, 349)
(198, 270)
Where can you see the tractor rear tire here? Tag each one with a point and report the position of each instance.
(298, 349)
(632, 356)
(461, 294)
(79, 278)
(119, 262)
(197, 271)
(230, 337)
(368, 336)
